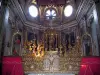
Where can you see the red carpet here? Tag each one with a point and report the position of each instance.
(90, 66)
(12, 66)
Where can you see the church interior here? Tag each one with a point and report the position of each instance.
(50, 37)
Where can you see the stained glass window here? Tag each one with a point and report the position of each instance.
(50, 14)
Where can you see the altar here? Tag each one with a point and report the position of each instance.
(53, 63)
(47, 53)
(52, 74)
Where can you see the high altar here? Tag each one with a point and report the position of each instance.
(50, 54)
(50, 37)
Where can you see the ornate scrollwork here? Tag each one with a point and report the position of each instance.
(58, 60)
(51, 62)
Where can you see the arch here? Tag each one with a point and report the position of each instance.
(87, 39)
(50, 9)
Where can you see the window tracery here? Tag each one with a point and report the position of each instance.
(50, 14)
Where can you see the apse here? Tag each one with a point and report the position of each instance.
(50, 36)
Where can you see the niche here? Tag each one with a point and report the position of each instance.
(87, 44)
(16, 44)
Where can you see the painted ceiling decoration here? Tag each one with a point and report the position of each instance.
(48, 2)
(34, 2)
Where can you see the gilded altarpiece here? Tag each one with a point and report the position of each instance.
(53, 61)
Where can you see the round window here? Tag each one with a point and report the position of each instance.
(33, 11)
(68, 10)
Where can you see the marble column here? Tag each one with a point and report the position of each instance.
(96, 14)
(4, 25)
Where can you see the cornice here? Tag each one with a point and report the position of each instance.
(68, 25)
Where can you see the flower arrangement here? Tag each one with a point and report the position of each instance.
(36, 50)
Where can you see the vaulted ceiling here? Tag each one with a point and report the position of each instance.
(20, 8)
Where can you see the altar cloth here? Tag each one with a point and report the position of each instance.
(90, 66)
(12, 66)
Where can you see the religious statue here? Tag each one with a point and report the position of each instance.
(16, 44)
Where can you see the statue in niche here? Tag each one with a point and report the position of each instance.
(16, 44)
(52, 41)
(62, 50)
(78, 43)
(72, 39)
(67, 41)
(87, 49)
(87, 45)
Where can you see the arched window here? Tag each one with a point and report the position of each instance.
(51, 14)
